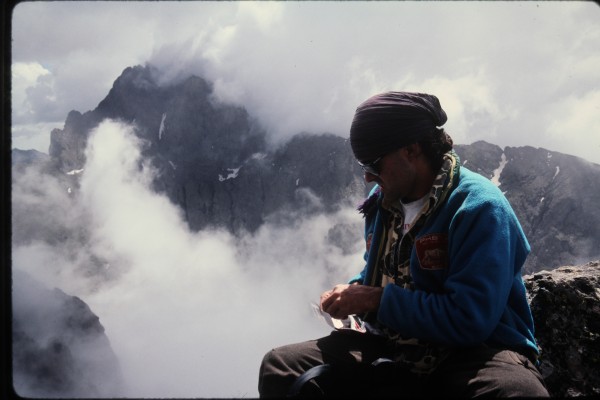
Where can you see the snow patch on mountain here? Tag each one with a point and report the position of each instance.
(75, 172)
(233, 173)
(498, 171)
(162, 126)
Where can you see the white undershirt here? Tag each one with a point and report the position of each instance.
(411, 211)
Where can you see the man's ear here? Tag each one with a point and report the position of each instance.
(413, 150)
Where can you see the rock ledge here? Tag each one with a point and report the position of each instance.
(566, 307)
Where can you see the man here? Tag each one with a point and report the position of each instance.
(441, 294)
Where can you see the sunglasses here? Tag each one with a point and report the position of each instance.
(373, 167)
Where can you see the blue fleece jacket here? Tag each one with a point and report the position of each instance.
(466, 268)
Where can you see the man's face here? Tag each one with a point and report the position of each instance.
(397, 176)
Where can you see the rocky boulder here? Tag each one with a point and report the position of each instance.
(566, 306)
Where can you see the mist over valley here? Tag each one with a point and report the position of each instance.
(175, 232)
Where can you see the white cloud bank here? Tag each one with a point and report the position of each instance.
(507, 72)
(188, 314)
(188, 311)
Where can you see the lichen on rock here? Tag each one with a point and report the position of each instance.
(565, 303)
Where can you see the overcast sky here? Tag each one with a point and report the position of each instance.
(190, 314)
(511, 73)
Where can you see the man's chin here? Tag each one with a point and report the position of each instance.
(390, 198)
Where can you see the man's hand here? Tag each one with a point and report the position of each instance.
(344, 300)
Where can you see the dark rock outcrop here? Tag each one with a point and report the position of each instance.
(566, 306)
(59, 346)
(481, 157)
(554, 195)
(213, 161)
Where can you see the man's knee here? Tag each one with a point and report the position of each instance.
(490, 373)
(527, 382)
(279, 360)
(521, 378)
(270, 375)
(278, 370)
(268, 360)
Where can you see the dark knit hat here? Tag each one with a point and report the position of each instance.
(388, 121)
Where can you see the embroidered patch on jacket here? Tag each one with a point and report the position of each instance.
(432, 251)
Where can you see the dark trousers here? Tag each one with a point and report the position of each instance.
(469, 372)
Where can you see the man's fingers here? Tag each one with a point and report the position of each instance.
(334, 307)
(328, 304)
(326, 300)
(330, 300)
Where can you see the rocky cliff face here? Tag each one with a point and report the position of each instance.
(60, 349)
(213, 162)
(566, 306)
(556, 196)
(553, 194)
(212, 158)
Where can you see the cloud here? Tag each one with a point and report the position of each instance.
(576, 118)
(33, 86)
(305, 66)
(184, 311)
(33, 136)
(25, 74)
(469, 102)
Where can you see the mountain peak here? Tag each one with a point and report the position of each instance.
(204, 152)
